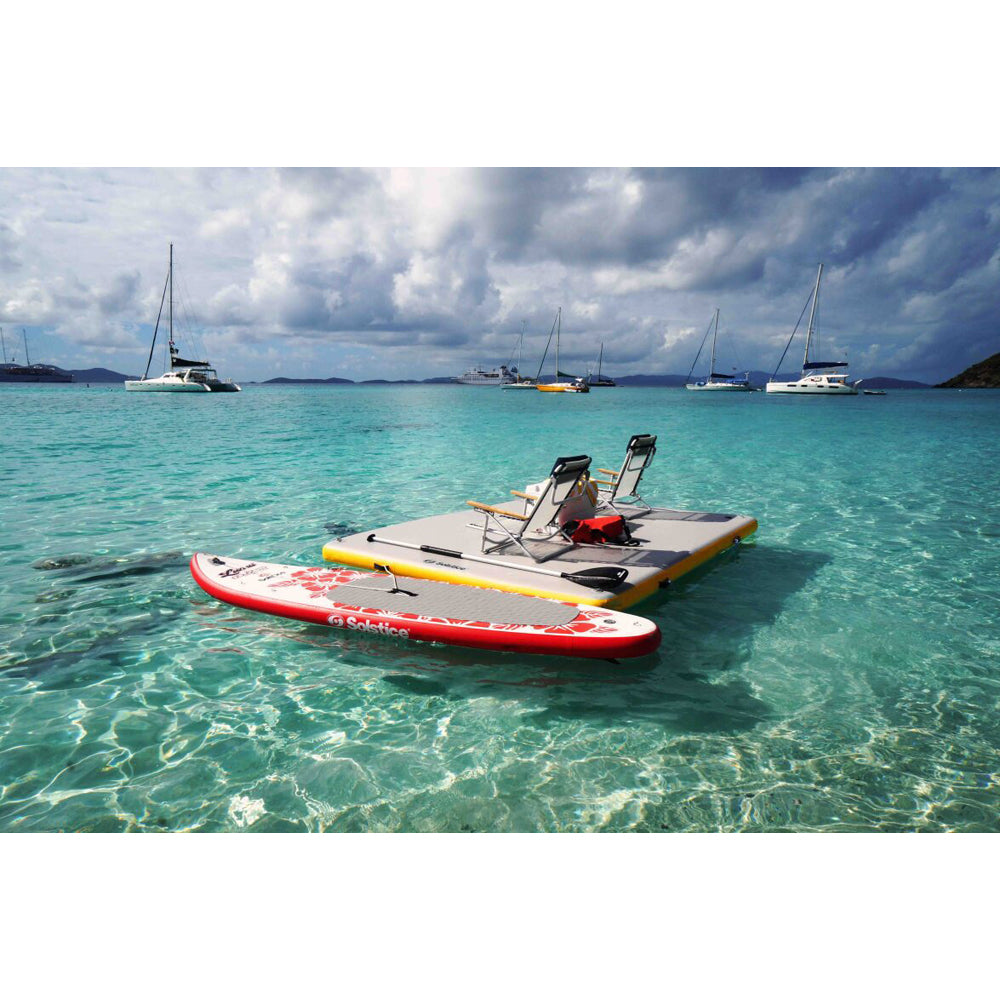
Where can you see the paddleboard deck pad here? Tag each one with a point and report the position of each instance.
(424, 610)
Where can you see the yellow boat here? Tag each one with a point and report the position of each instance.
(574, 384)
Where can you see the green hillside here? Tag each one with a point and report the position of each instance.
(985, 375)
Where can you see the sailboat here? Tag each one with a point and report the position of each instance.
(10, 371)
(819, 378)
(184, 375)
(575, 384)
(716, 381)
(602, 381)
(522, 381)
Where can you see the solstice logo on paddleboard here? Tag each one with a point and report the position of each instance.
(363, 625)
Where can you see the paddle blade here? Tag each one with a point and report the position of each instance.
(599, 578)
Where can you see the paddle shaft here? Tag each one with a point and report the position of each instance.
(596, 579)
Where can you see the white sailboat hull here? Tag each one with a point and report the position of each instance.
(808, 387)
(717, 387)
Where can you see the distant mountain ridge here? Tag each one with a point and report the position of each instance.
(882, 382)
(646, 380)
(759, 379)
(98, 375)
(664, 379)
(281, 380)
(984, 375)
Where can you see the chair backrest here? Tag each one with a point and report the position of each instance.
(638, 458)
(559, 488)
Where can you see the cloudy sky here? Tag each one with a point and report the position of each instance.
(395, 273)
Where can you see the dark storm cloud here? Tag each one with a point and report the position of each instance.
(339, 295)
(858, 212)
(634, 218)
(644, 218)
(122, 295)
(514, 202)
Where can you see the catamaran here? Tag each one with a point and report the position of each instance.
(184, 375)
(818, 378)
(715, 380)
(574, 384)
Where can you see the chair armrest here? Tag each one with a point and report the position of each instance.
(609, 472)
(497, 511)
(603, 482)
(527, 496)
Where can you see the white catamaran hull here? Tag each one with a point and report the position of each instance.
(164, 384)
(806, 387)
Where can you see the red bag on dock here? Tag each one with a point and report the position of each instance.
(599, 530)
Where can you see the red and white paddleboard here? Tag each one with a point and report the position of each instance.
(425, 610)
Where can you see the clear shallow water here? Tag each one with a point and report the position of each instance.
(841, 673)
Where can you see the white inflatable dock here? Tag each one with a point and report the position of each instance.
(449, 547)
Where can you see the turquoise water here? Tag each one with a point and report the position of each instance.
(840, 673)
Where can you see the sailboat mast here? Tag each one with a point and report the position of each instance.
(545, 353)
(27, 358)
(558, 328)
(171, 278)
(715, 336)
(600, 359)
(156, 329)
(812, 316)
(4, 343)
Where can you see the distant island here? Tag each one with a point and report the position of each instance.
(985, 375)
(759, 379)
(99, 375)
(882, 382)
(282, 380)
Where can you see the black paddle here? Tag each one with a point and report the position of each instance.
(598, 578)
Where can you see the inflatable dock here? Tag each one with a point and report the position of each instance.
(447, 547)
(534, 546)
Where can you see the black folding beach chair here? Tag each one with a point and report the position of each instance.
(623, 487)
(537, 532)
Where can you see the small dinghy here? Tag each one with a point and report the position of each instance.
(424, 610)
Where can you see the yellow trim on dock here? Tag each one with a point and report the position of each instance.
(423, 571)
